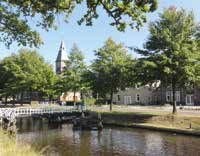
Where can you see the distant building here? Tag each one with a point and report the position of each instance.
(184, 96)
(134, 95)
(60, 67)
(146, 95)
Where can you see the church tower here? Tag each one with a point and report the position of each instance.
(61, 58)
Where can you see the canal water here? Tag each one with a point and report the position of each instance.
(61, 140)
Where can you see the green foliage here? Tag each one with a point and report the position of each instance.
(15, 14)
(171, 52)
(90, 101)
(26, 72)
(111, 69)
(72, 78)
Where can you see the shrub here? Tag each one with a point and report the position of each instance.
(90, 101)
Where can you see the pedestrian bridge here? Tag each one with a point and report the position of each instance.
(21, 112)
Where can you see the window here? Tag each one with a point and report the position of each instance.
(178, 96)
(127, 100)
(137, 97)
(137, 86)
(26, 96)
(189, 99)
(168, 96)
(118, 98)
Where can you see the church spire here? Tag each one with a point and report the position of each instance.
(62, 54)
(61, 58)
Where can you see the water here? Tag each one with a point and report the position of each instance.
(61, 140)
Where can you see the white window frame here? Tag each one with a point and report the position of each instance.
(126, 102)
(191, 102)
(178, 96)
(169, 96)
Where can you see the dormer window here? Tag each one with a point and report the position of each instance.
(136, 86)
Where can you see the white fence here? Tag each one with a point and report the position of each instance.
(14, 112)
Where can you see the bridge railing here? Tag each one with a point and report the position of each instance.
(7, 112)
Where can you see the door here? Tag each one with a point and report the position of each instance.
(189, 99)
(127, 100)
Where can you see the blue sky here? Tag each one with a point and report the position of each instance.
(89, 39)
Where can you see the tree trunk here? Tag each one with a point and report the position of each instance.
(111, 100)
(82, 102)
(49, 100)
(30, 97)
(174, 98)
(13, 102)
(6, 100)
(81, 97)
(74, 98)
(22, 98)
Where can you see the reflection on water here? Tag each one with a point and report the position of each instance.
(58, 140)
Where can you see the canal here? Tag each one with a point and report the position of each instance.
(61, 140)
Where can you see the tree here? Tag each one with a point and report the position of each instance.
(26, 72)
(111, 69)
(15, 16)
(170, 51)
(73, 75)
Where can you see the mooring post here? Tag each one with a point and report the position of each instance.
(100, 125)
(82, 114)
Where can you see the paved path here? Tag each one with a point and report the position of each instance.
(191, 110)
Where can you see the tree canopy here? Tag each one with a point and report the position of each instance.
(15, 16)
(111, 69)
(171, 52)
(72, 77)
(26, 72)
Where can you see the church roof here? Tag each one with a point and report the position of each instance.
(62, 53)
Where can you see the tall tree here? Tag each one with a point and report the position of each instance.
(26, 72)
(171, 50)
(16, 14)
(111, 69)
(73, 75)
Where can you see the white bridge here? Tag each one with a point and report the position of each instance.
(20, 112)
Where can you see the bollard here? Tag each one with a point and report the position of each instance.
(190, 126)
(100, 125)
(82, 115)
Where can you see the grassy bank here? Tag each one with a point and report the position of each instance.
(9, 147)
(153, 121)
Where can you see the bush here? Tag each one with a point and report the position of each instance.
(102, 102)
(90, 101)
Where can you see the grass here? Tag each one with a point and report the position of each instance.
(9, 147)
(152, 120)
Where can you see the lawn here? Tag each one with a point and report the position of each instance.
(151, 120)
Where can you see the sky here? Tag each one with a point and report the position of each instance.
(89, 39)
